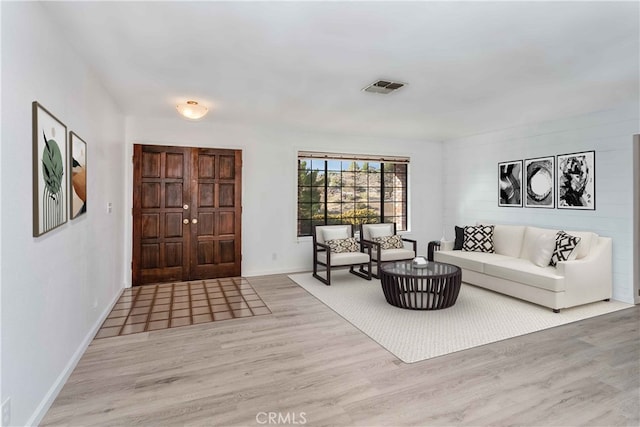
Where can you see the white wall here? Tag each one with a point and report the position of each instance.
(269, 183)
(471, 189)
(55, 288)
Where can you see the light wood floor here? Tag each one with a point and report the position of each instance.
(304, 358)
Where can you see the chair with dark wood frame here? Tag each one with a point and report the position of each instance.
(322, 256)
(379, 255)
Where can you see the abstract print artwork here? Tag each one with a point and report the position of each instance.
(577, 181)
(539, 183)
(78, 190)
(510, 183)
(49, 171)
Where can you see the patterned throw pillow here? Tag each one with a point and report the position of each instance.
(565, 245)
(389, 242)
(478, 238)
(343, 245)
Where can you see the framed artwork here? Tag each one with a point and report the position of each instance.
(577, 181)
(510, 183)
(49, 171)
(539, 184)
(78, 187)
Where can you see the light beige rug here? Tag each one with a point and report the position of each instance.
(478, 317)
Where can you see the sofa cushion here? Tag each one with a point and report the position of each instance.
(393, 254)
(524, 271)
(346, 258)
(529, 242)
(457, 245)
(473, 261)
(544, 246)
(478, 238)
(566, 246)
(507, 239)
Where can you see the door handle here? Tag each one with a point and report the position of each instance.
(185, 221)
(194, 221)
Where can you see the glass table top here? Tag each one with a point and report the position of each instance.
(406, 268)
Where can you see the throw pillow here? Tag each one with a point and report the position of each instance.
(457, 245)
(478, 238)
(343, 245)
(565, 245)
(389, 242)
(543, 248)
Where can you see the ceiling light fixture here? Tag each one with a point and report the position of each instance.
(192, 110)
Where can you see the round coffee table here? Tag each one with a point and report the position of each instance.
(433, 287)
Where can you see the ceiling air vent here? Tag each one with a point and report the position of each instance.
(383, 86)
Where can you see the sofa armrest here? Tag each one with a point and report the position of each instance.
(446, 245)
(371, 244)
(590, 278)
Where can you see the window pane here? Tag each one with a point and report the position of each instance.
(304, 164)
(317, 211)
(361, 194)
(374, 179)
(348, 179)
(389, 194)
(334, 208)
(311, 194)
(304, 211)
(333, 165)
(348, 194)
(304, 228)
(334, 179)
(390, 180)
(373, 194)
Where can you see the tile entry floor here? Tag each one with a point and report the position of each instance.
(169, 305)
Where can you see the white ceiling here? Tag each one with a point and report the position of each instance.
(471, 67)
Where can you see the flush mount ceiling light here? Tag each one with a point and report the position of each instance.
(383, 86)
(192, 110)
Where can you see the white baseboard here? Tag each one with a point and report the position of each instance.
(53, 392)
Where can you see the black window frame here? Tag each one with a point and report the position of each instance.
(316, 206)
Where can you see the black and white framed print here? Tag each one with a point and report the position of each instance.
(577, 181)
(539, 183)
(78, 187)
(49, 171)
(510, 183)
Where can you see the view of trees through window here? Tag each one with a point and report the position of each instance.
(350, 192)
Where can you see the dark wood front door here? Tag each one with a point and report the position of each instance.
(186, 213)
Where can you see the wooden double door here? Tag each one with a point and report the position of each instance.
(186, 213)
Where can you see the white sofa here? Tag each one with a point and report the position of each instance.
(586, 279)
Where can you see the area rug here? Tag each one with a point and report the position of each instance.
(479, 316)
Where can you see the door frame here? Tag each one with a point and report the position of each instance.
(636, 218)
(129, 194)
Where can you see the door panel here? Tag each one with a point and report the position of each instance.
(217, 192)
(201, 186)
(160, 244)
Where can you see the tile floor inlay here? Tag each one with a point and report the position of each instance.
(170, 305)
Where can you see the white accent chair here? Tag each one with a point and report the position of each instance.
(368, 232)
(323, 256)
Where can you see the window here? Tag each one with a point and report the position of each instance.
(350, 189)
